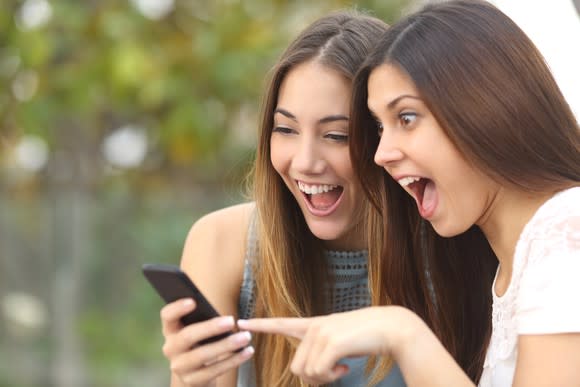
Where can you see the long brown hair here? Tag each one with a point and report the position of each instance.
(290, 274)
(492, 93)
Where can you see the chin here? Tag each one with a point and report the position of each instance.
(447, 231)
(325, 233)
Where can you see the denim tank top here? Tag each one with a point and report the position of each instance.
(350, 292)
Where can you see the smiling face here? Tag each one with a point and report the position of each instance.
(309, 150)
(449, 192)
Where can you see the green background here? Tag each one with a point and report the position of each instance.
(75, 226)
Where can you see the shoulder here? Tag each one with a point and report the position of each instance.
(230, 222)
(553, 234)
(558, 220)
(214, 252)
(563, 205)
(547, 266)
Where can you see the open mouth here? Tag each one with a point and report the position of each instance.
(423, 191)
(322, 199)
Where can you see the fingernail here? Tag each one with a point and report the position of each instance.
(187, 302)
(226, 322)
(242, 322)
(241, 337)
(248, 351)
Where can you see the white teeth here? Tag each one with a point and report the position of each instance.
(315, 189)
(405, 181)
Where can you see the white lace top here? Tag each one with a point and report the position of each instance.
(542, 297)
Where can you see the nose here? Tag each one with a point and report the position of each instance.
(388, 151)
(309, 158)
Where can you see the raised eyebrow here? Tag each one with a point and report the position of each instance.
(391, 105)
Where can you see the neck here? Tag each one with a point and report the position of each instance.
(353, 240)
(504, 222)
(351, 243)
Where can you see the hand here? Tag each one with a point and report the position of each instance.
(327, 339)
(200, 365)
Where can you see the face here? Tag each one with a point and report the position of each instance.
(309, 150)
(449, 192)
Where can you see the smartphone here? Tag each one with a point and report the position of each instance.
(172, 284)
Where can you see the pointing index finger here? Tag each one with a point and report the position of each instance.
(289, 326)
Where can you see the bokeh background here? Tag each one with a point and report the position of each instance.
(122, 122)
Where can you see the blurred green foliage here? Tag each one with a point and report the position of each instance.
(190, 81)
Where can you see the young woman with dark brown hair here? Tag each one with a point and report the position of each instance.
(482, 155)
(302, 248)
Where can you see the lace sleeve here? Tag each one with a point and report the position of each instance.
(549, 290)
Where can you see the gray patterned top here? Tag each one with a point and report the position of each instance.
(350, 291)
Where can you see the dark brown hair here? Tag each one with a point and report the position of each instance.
(492, 93)
(291, 276)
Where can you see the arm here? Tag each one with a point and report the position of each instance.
(217, 269)
(383, 331)
(548, 360)
(422, 358)
(548, 311)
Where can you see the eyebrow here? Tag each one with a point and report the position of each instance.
(394, 102)
(323, 120)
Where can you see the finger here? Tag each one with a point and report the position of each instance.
(318, 354)
(172, 312)
(293, 327)
(192, 334)
(316, 339)
(309, 351)
(209, 354)
(207, 374)
(326, 367)
(329, 350)
(300, 361)
(338, 371)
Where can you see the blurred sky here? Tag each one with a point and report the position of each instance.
(554, 26)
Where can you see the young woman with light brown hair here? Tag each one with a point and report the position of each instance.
(304, 247)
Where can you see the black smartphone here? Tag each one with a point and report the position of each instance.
(172, 284)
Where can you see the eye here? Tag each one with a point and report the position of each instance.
(282, 130)
(407, 119)
(339, 137)
(379, 128)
